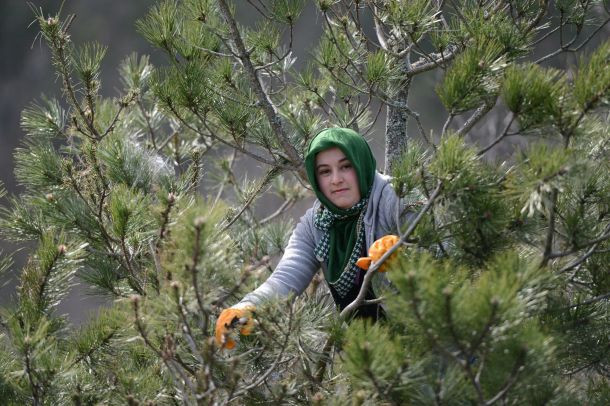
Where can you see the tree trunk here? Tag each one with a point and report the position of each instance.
(396, 127)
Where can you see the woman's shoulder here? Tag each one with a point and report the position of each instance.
(382, 187)
(382, 202)
(311, 212)
(307, 220)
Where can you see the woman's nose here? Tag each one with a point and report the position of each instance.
(336, 177)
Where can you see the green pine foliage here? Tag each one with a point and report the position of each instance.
(500, 291)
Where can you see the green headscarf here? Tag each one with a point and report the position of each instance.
(343, 234)
(355, 148)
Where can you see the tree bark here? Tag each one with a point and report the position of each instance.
(396, 127)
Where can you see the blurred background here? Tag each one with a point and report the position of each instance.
(26, 74)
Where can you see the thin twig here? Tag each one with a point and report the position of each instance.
(474, 118)
(447, 123)
(148, 124)
(580, 260)
(288, 203)
(499, 138)
(122, 105)
(601, 238)
(548, 246)
(254, 194)
(588, 301)
(566, 48)
(193, 272)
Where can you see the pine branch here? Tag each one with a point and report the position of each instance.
(542, 10)
(261, 10)
(186, 330)
(266, 103)
(466, 354)
(167, 140)
(477, 377)
(432, 61)
(323, 361)
(165, 355)
(279, 58)
(487, 328)
(381, 37)
(46, 276)
(590, 104)
(426, 329)
(275, 363)
(371, 375)
(37, 391)
(347, 58)
(241, 149)
(57, 45)
(163, 232)
(105, 340)
(132, 278)
(583, 367)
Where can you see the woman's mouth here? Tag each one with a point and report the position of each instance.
(340, 191)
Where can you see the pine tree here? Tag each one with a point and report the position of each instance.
(500, 292)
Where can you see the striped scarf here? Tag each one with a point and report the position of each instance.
(324, 220)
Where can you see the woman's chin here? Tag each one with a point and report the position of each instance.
(344, 203)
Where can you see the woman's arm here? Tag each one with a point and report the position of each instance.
(296, 268)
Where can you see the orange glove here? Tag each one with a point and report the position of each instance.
(379, 247)
(231, 318)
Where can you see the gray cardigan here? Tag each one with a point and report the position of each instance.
(298, 265)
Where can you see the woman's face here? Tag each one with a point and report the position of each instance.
(337, 178)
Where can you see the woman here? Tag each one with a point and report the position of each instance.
(356, 205)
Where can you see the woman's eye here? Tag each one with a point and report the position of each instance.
(323, 172)
(347, 166)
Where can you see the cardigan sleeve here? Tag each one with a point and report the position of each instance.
(393, 212)
(388, 211)
(295, 269)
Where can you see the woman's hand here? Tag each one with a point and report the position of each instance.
(233, 318)
(376, 251)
